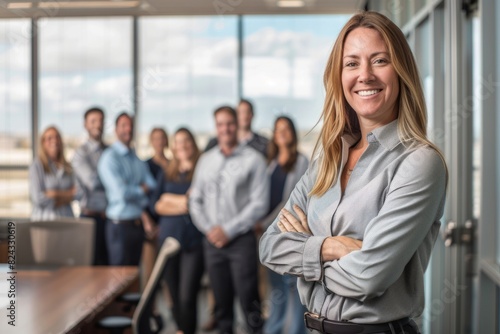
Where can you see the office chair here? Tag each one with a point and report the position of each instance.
(143, 320)
(63, 241)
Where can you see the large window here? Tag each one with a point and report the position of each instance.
(188, 67)
(15, 116)
(284, 58)
(83, 62)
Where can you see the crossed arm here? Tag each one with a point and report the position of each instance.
(61, 197)
(333, 248)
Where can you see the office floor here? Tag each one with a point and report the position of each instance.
(203, 314)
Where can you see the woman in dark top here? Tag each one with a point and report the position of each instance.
(286, 166)
(184, 271)
(159, 141)
(157, 164)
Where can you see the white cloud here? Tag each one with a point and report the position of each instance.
(85, 43)
(266, 76)
(16, 90)
(111, 85)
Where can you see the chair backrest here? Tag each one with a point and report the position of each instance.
(143, 312)
(62, 241)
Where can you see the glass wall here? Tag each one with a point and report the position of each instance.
(188, 67)
(83, 62)
(284, 58)
(15, 116)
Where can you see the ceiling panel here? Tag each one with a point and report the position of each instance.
(27, 9)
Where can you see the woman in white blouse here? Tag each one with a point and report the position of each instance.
(52, 183)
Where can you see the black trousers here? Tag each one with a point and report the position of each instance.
(100, 249)
(183, 276)
(124, 241)
(233, 271)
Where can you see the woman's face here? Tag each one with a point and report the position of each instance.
(282, 133)
(183, 146)
(158, 141)
(369, 80)
(51, 144)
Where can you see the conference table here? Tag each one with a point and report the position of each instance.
(64, 300)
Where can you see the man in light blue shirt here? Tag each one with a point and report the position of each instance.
(127, 182)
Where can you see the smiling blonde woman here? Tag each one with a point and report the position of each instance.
(52, 181)
(359, 227)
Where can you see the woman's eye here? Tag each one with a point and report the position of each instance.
(380, 61)
(350, 64)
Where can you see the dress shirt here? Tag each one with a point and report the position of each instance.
(230, 191)
(90, 187)
(40, 182)
(393, 202)
(122, 174)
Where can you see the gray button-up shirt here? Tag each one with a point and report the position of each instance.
(393, 202)
(230, 191)
(40, 181)
(90, 187)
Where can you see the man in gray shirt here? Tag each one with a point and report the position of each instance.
(93, 199)
(229, 194)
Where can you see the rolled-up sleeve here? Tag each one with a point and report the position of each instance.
(412, 207)
(293, 253)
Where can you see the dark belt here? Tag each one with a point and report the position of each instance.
(323, 325)
(88, 212)
(127, 221)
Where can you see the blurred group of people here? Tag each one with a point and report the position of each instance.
(215, 203)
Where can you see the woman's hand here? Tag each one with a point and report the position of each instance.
(172, 204)
(61, 197)
(288, 223)
(334, 248)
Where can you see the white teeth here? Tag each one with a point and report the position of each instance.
(368, 92)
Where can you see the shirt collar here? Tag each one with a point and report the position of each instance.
(122, 148)
(248, 139)
(239, 147)
(94, 145)
(387, 135)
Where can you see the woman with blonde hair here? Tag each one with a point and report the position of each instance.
(52, 182)
(359, 227)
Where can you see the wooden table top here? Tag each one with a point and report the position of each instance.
(60, 301)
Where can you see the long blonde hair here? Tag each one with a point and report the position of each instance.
(338, 116)
(42, 155)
